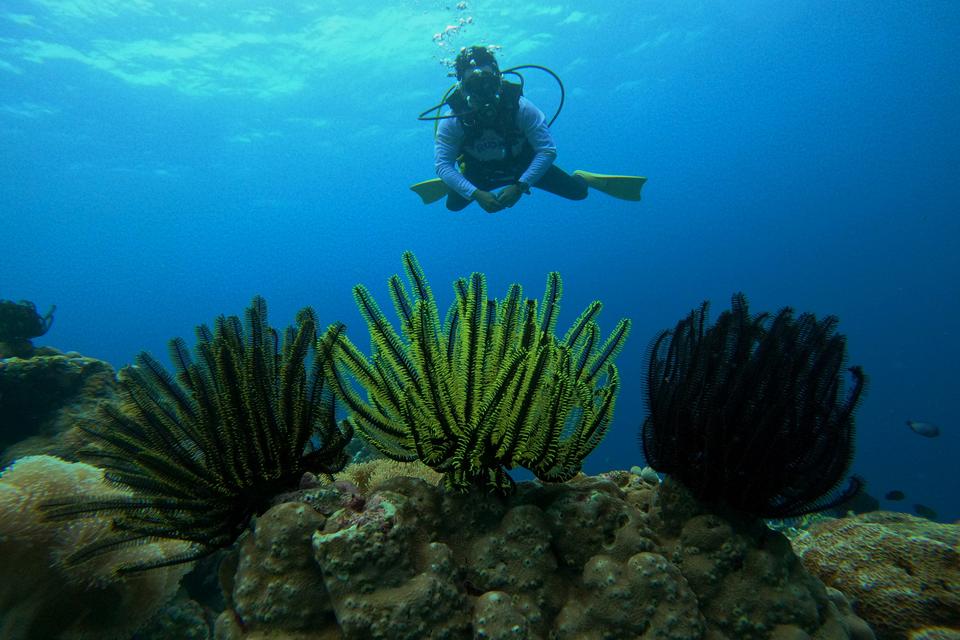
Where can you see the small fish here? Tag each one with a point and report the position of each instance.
(924, 511)
(895, 495)
(925, 429)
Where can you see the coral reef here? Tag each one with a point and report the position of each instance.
(43, 399)
(271, 582)
(489, 389)
(39, 596)
(19, 323)
(207, 450)
(277, 584)
(747, 413)
(901, 572)
(599, 558)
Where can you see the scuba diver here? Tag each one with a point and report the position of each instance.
(495, 138)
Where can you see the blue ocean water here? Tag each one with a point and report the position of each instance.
(162, 162)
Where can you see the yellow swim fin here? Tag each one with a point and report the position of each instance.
(430, 190)
(622, 187)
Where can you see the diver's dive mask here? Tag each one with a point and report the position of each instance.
(481, 87)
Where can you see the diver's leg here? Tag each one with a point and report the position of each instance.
(561, 183)
(456, 202)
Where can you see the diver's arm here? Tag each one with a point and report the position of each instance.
(534, 125)
(446, 148)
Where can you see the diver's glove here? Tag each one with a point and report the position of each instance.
(489, 202)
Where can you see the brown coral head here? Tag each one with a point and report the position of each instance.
(20, 321)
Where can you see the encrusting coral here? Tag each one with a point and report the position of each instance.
(748, 412)
(490, 389)
(40, 597)
(902, 572)
(611, 557)
(204, 452)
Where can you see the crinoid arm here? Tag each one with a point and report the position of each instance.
(204, 449)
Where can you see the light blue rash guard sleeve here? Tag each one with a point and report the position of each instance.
(534, 126)
(446, 149)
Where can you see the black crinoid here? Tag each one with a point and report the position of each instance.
(203, 451)
(749, 413)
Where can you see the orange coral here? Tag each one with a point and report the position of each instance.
(367, 476)
(901, 571)
(39, 598)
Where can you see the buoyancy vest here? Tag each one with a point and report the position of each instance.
(497, 147)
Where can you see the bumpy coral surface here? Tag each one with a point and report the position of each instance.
(902, 572)
(181, 618)
(600, 558)
(42, 399)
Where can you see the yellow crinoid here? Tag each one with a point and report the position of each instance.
(488, 389)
